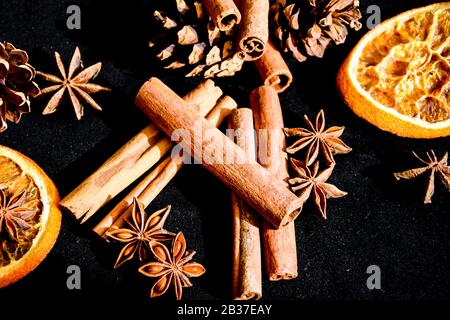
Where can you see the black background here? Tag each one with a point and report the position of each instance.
(380, 222)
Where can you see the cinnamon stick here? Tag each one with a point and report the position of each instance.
(246, 239)
(213, 149)
(273, 70)
(132, 160)
(149, 188)
(224, 13)
(280, 250)
(254, 28)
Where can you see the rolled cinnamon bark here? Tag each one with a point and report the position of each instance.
(280, 250)
(124, 204)
(246, 239)
(224, 13)
(273, 70)
(149, 188)
(210, 147)
(254, 28)
(132, 160)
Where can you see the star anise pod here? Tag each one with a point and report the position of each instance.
(14, 216)
(316, 138)
(172, 267)
(140, 233)
(75, 82)
(433, 165)
(307, 183)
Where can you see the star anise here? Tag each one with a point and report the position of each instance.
(75, 82)
(433, 165)
(14, 216)
(306, 183)
(316, 138)
(172, 267)
(141, 232)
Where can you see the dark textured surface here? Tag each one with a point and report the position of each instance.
(380, 222)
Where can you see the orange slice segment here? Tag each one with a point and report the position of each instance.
(29, 216)
(398, 75)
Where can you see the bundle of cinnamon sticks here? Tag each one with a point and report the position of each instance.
(263, 206)
(262, 136)
(256, 175)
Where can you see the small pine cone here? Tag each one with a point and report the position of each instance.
(16, 84)
(307, 27)
(190, 39)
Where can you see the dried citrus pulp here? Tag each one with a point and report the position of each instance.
(398, 76)
(29, 216)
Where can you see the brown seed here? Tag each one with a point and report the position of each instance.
(159, 252)
(194, 269)
(128, 251)
(155, 269)
(124, 235)
(154, 221)
(160, 286)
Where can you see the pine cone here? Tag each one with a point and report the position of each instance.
(16, 84)
(190, 39)
(308, 27)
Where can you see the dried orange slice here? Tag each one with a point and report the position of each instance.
(30, 219)
(398, 75)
